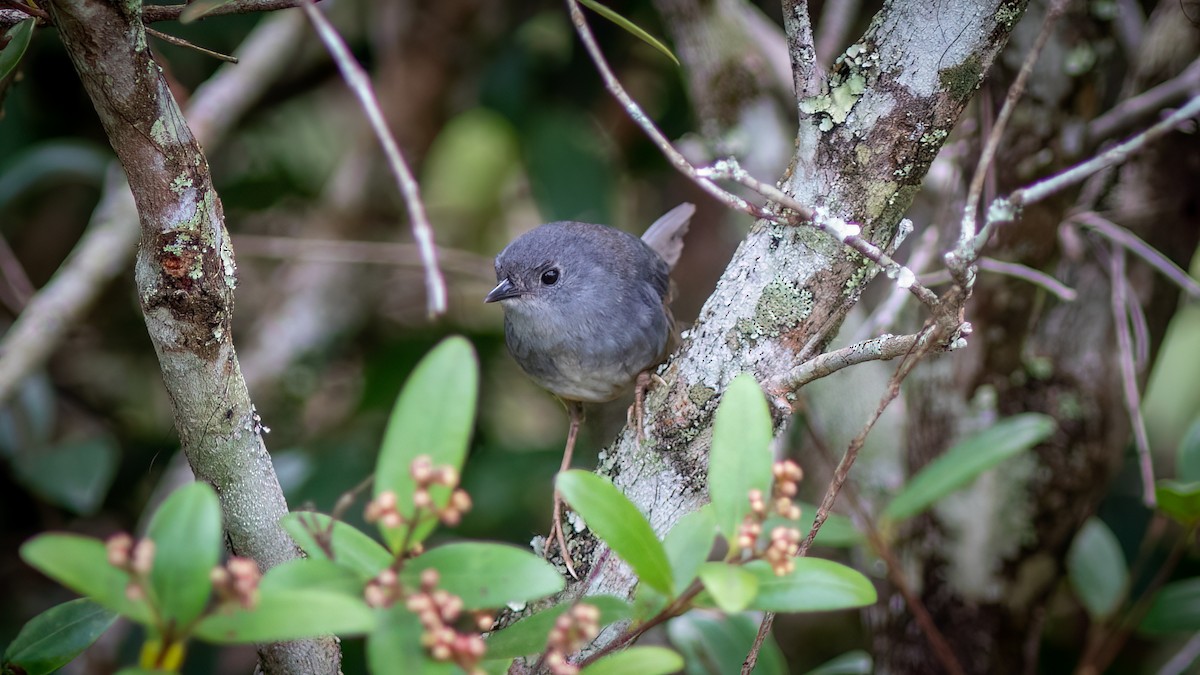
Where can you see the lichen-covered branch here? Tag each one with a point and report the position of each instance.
(185, 276)
(863, 146)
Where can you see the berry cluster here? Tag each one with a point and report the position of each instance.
(784, 539)
(136, 558)
(573, 629)
(438, 611)
(237, 581)
(385, 507)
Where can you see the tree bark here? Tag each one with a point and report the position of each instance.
(185, 276)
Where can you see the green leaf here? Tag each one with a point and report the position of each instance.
(1180, 501)
(838, 531)
(715, 643)
(815, 585)
(53, 638)
(1188, 469)
(81, 564)
(433, 416)
(856, 662)
(486, 575)
(314, 574)
(528, 636)
(619, 523)
(10, 56)
(630, 27)
(352, 548)
(740, 460)
(965, 461)
(1175, 608)
(197, 9)
(731, 587)
(186, 531)
(288, 615)
(1096, 568)
(640, 660)
(688, 544)
(394, 647)
(75, 476)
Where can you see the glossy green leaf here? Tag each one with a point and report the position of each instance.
(731, 586)
(186, 531)
(838, 531)
(630, 27)
(618, 522)
(1180, 501)
(433, 416)
(1175, 608)
(640, 660)
(856, 662)
(497, 666)
(965, 461)
(715, 643)
(740, 460)
(1096, 568)
(312, 574)
(394, 647)
(688, 544)
(1188, 465)
(528, 636)
(352, 548)
(81, 564)
(288, 615)
(197, 9)
(486, 575)
(53, 638)
(815, 585)
(19, 35)
(73, 475)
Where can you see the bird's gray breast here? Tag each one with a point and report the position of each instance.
(592, 349)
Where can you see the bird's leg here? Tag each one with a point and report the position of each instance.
(636, 411)
(575, 410)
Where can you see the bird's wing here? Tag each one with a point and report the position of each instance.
(665, 236)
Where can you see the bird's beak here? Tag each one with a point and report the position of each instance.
(503, 291)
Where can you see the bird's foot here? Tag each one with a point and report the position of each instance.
(556, 535)
(636, 413)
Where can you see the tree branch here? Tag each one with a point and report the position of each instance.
(186, 274)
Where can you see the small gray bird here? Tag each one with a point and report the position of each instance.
(586, 310)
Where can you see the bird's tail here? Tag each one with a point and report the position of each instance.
(665, 236)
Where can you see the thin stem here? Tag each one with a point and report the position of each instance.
(356, 78)
(180, 42)
(1015, 91)
(1026, 273)
(639, 117)
(1133, 403)
(1135, 245)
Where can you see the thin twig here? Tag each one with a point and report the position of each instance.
(1026, 273)
(1150, 102)
(1005, 210)
(879, 543)
(1133, 403)
(847, 233)
(643, 120)
(155, 13)
(841, 473)
(35, 12)
(356, 78)
(1015, 91)
(886, 314)
(180, 42)
(1135, 245)
(882, 348)
(1183, 659)
(15, 277)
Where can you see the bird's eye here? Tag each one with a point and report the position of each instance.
(550, 277)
